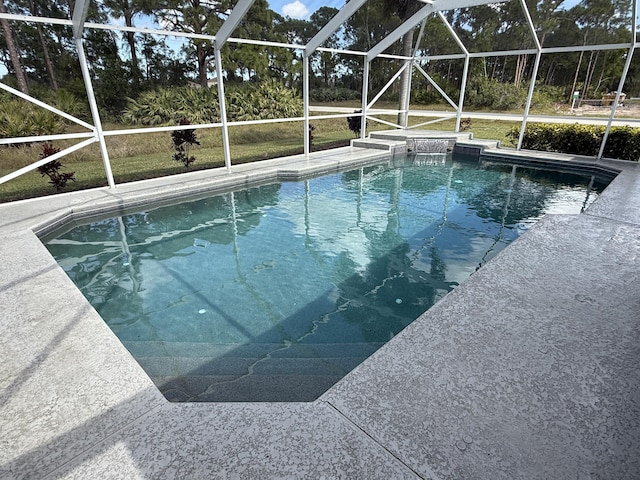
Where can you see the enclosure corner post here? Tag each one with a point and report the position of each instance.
(223, 109)
(623, 79)
(93, 106)
(305, 101)
(534, 74)
(365, 90)
(527, 107)
(463, 88)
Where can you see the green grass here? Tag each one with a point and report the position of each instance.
(149, 155)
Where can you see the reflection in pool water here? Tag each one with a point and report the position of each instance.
(276, 292)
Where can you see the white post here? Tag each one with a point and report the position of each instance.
(223, 110)
(406, 101)
(94, 112)
(305, 102)
(463, 87)
(465, 71)
(527, 107)
(534, 75)
(365, 90)
(616, 101)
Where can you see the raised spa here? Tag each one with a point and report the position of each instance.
(276, 292)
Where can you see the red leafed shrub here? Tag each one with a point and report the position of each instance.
(52, 169)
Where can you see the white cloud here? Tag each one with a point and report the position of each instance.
(295, 9)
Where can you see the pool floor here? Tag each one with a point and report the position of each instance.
(200, 292)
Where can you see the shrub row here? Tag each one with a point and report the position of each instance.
(249, 101)
(19, 118)
(338, 94)
(488, 93)
(622, 143)
(483, 92)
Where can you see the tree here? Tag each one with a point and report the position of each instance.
(128, 9)
(326, 61)
(198, 17)
(368, 26)
(34, 8)
(161, 67)
(405, 9)
(246, 61)
(599, 21)
(13, 52)
(293, 31)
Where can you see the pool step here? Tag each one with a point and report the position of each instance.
(238, 366)
(253, 388)
(240, 372)
(259, 350)
(393, 146)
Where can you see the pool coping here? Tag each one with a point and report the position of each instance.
(76, 405)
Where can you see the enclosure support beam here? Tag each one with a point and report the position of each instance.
(225, 31)
(418, 17)
(388, 84)
(407, 77)
(463, 88)
(223, 109)
(95, 113)
(230, 24)
(527, 107)
(78, 17)
(394, 36)
(44, 161)
(435, 85)
(46, 106)
(365, 90)
(305, 104)
(534, 74)
(465, 70)
(332, 25)
(623, 78)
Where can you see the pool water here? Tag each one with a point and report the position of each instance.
(276, 292)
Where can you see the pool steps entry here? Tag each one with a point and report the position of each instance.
(431, 142)
(407, 412)
(259, 372)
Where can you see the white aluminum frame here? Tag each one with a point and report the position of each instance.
(97, 134)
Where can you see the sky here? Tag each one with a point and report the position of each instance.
(301, 8)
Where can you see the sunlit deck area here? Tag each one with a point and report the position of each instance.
(527, 370)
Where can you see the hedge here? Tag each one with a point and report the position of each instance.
(623, 142)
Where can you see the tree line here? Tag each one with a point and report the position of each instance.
(41, 58)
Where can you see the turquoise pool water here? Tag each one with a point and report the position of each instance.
(274, 293)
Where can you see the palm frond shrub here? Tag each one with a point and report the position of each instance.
(248, 101)
(19, 118)
(67, 102)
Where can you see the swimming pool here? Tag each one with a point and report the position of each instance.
(274, 293)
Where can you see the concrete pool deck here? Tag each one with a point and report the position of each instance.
(528, 370)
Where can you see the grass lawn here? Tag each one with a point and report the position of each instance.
(149, 155)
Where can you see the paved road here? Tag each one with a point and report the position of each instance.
(619, 121)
